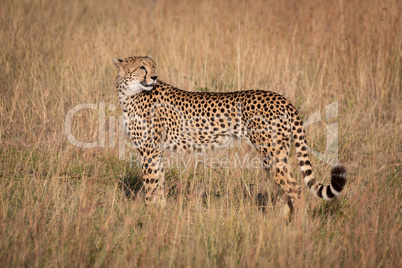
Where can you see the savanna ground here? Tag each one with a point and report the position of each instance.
(61, 205)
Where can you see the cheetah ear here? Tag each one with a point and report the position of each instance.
(119, 66)
(149, 57)
(117, 62)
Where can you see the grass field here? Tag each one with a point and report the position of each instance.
(61, 205)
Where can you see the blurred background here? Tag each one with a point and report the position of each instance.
(63, 205)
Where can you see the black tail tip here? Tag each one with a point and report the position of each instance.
(338, 177)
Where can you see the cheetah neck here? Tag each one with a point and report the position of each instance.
(123, 98)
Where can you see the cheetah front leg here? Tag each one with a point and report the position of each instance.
(153, 177)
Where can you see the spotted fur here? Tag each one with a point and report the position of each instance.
(158, 117)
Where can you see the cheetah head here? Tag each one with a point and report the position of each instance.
(135, 74)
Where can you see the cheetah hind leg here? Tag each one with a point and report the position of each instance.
(283, 177)
(290, 194)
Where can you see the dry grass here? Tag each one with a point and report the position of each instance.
(61, 205)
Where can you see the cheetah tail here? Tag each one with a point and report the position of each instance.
(338, 174)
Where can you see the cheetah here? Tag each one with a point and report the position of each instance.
(158, 117)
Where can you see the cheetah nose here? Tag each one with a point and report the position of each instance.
(154, 77)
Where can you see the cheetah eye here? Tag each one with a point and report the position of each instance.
(142, 67)
(153, 66)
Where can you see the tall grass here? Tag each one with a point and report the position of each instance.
(61, 205)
